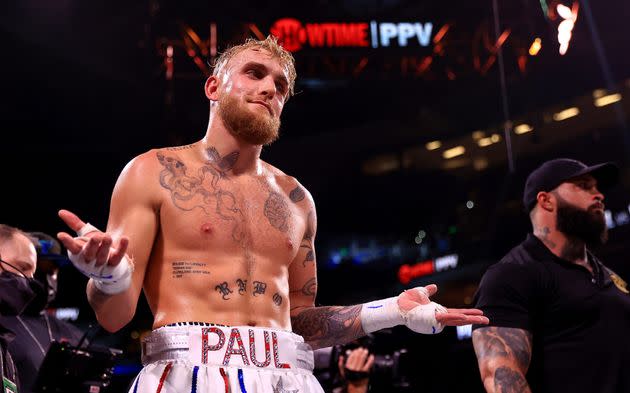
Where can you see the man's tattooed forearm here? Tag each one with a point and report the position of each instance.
(297, 194)
(326, 326)
(277, 211)
(494, 341)
(224, 290)
(309, 289)
(182, 268)
(507, 380)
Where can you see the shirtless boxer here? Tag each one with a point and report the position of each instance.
(214, 235)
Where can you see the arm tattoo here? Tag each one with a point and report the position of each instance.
(507, 380)
(307, 240)
(493, 342)
(277, 211)
(327, 326)
(309, 289)
(297, 194)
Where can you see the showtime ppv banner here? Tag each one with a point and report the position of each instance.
(295, 35)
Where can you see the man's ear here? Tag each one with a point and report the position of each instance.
(211, 88)
(546, 201)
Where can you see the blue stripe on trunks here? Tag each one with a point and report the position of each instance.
(241, 381)
(135, 387)
(194, 381)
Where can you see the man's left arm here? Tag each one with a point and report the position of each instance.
(330, 325)
(319, 326)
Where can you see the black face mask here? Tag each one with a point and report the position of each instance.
(46, 293)
(16, 292)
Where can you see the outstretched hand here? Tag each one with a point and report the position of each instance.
(96, 245)
(452, 317)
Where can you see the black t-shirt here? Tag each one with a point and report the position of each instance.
(580, 322)
(27, 355)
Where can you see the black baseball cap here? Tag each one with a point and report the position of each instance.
(555, 172)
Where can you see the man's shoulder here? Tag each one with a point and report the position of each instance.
(294, 189)
(517, 261)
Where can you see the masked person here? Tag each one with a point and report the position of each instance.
(17, 290)
(34, 329)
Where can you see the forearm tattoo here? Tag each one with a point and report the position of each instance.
(326, 326)
(507, 380)
(510, 347)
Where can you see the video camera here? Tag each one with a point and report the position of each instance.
(74, 369)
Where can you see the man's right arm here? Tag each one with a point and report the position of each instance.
(133, 215)
(504, 356)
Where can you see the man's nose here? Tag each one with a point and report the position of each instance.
(268, 87)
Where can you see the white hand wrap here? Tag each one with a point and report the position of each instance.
(386, 313)
(108, 279)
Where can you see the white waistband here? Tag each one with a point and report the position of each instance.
(239, 346)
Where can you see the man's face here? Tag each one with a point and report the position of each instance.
(252, 90)
(20, 252)
(580, 210)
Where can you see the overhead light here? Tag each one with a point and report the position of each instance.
(433, 145)
(476, 135)
(607, 100)
(565, 114)
(454, 152)
(522, 129)
(495, 138)
(483, 142)
(535, 47)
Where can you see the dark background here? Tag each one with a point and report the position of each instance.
(84, 90)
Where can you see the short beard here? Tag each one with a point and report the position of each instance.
(247, 125)
(588, 225)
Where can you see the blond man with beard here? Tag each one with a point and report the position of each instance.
(222, 243)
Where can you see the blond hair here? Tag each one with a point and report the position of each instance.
(271, 45)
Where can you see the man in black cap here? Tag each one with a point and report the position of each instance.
(559, 318)
(34, 328)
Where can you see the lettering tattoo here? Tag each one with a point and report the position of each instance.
(277, 211)
(543, 235)
(277, 299)
(507, 380)
(241, 286)
(307, 240)
(224, 290)
(309, 289)
(326, 326)
(182, 268)
(204, 190)
(297, 194)
(259, 288)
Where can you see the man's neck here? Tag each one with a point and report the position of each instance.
(243, 157)
(561, 245)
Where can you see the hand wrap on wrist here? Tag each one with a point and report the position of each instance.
(108, 279)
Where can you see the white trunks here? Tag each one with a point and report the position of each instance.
(191, 357)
